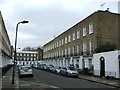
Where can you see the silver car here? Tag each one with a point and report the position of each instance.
(69, 71)
(25, 70)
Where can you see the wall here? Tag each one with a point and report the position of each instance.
(111, 63)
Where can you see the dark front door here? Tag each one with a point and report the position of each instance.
(102, 67)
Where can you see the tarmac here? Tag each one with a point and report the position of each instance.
(6, 82)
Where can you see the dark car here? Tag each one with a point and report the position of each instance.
(56, 69)
(42, 66)
(50, 68)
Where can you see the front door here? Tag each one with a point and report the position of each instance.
(102, 66)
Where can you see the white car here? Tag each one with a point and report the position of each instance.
(25, 70)
(69, 71)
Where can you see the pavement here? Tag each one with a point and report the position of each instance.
(111, 81)
(6, 82)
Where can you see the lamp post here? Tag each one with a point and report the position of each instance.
(23, 22)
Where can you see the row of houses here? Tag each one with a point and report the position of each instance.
(7, 51)
(5, 46)
(29, 57)
(84, 45)
(80, 45)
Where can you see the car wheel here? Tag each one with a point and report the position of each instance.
(19, 76)
(60, 74)
(66, 74)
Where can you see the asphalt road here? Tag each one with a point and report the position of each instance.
(48, 78)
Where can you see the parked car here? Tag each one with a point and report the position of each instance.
(25, 71)
(34, 66)
(50, 68)
(42, 66)
(56, 69)
(69, 71)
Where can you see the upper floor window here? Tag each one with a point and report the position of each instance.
(78, 49)
(65, 39)
(53, 46)
(24, 54)
(59, 53)
(91, 47)
(69, 37)
(78, 34)
(73, 36)
(84, 31)
(84, 47)
(59, 42)
(90, 28)
(21, 54)
(65, 51)
(69, 50)
(62, 41)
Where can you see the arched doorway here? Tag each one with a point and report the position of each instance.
(102, 66)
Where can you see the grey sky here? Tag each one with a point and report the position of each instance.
(47, 18)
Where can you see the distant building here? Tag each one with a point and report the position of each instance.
(77, 45)
(5, 45)
(29, 57)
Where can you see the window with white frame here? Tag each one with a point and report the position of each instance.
(27, 54)
(84, 31)
(91, 47)
(73, 50)
(69, 37)
(73, 36)
(21, 54)
(52, 46)
(59, 42)
(17, 54)
(34, 55)
(59, 53)
(65, 51)
(62, 41)
(84, 48)
(66, 39)
(68, 50)
(78, 49)
(62, 52)
(78, 34)
(90, 28)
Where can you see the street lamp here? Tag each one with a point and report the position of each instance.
(23, 22)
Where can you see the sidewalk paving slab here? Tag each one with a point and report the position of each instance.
(111, 82)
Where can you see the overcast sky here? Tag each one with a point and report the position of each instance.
(47, 18)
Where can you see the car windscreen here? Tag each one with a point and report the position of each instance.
(26, 68)
(71, 68)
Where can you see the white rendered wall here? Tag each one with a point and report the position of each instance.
(111, 63)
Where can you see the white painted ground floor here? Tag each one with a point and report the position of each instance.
(103, 64)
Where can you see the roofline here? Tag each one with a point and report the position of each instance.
(80, 22)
